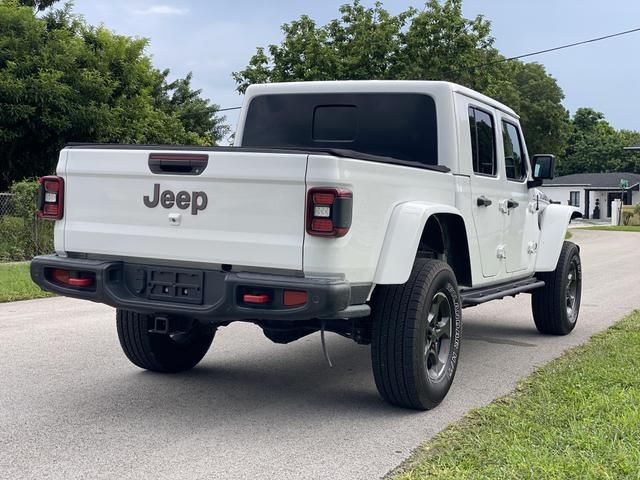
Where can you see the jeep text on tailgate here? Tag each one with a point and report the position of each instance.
(375, 210)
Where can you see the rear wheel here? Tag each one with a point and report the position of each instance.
(556, 306)
(416, 336)
(160, 352)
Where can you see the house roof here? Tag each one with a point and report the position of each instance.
(595, 180)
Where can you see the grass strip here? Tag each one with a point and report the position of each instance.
(619, 228)
(576, 417)
(16, 284)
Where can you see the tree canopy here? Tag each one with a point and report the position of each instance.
(62, 80)
(435, 43)
(38, 5)
(595, 146)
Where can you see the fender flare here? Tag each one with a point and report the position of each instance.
(402, 238)
(554, 221)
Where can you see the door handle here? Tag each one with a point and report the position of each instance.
(484, 201)
(511, 203)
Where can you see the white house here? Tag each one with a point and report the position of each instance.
(588, 190)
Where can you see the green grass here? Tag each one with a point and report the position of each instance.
(576, 418)
(568, 235)
(16, 284)
(620, 228)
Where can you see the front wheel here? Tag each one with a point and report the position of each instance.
(416, 336)
(160, 352)
(556, 306)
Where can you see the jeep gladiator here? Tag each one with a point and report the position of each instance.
(376, 210)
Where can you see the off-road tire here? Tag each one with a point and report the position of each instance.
(160, 352)
(400, 337)
(550, 304)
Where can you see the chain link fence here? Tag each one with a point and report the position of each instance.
(5, 204)
(23, 234)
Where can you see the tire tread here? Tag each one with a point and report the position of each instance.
(395, 329)
(151, 351)
(547, 303)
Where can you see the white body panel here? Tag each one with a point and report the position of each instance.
(553, 222)
(256, 203)
(377, 190)
(59, 227)
(254, 216)
(402, 239)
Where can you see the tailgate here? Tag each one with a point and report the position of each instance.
(244, 209)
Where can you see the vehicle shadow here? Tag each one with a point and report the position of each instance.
(261, 385)
(246, 378)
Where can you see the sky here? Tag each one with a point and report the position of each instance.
(214, 38)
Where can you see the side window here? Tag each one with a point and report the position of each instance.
(483, 137)
(514, 161)
(574, 199)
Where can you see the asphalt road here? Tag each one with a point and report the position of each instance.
(72, 406)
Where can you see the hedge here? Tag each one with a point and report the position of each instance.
(22, 234)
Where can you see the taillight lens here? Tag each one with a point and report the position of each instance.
(51, 198)
(294, 298)
(73, 279)
(329, 211)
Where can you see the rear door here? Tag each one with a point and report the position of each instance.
(478, 148)
(242, 209)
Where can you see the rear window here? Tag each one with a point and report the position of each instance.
(397, 125)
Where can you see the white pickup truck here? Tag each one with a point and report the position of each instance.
(373, 209)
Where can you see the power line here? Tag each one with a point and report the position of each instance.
(561, 47)
(531, 54)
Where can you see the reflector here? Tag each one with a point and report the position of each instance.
(294, 298)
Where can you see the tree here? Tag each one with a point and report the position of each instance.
(595, 146)
(37, 5)
(538, 100)
(196, 114)
(436, 43)
(62, 80)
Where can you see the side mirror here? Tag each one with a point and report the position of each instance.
(543, 167)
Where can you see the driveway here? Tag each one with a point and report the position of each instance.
(72, 406)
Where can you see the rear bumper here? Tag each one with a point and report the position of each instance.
(219, 297)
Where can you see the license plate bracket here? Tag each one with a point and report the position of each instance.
(175, 285)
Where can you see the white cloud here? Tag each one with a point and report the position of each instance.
(162, 10)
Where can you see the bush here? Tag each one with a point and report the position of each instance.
(631, 215)
(23, 234)
(627, 215)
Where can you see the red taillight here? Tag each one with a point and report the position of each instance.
(72, 279)
(294, 298)
(329, 211)
(321, 225)
(323, 198)
(51, 198)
